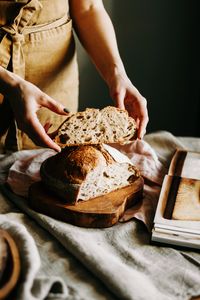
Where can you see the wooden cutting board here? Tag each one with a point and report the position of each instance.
(103, 211)
(3, 255)
(11, 268)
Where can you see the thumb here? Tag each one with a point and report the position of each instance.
(54, 105)
(119, 98)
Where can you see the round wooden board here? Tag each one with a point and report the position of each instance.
(103, 211)
(3, 255)
(11, 270)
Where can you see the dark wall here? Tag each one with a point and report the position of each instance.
(159, 44)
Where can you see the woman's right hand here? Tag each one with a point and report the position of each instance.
(25, 100)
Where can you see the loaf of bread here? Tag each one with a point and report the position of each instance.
(85, 172)
(94, 126)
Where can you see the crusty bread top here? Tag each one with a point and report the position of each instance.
(73, 164)
(94, 126)
(84, 159)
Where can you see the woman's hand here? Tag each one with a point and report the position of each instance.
(25, 100)
(126, 96)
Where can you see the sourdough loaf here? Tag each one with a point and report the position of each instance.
(85, 172)
(94, 126)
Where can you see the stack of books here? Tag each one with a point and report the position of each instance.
(177, 218)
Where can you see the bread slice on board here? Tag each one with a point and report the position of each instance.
(94, 126)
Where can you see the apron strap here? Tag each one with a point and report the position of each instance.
(14, 36)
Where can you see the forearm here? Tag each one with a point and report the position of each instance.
(95, 31)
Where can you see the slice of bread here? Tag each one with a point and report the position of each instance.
(187, 205)
(85, 172)
(94, 126)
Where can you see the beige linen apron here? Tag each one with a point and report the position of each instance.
(36, 42)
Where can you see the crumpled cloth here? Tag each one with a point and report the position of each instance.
(26, 169)
(36, 287)
(144, 157)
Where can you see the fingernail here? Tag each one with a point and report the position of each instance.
(66, 110)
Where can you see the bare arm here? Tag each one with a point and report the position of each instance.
(25, 99)
(95, 31)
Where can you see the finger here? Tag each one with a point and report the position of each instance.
(142, 126)
(54, 106)
(143, 118)
(119, 98)
(137, 122)
(37, 133)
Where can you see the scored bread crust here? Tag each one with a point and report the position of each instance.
(95, 126)
(85, 172)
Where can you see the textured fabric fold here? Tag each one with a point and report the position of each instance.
(36, 287)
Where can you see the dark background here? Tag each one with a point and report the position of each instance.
(159, 45)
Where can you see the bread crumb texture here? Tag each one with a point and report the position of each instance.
(94, 126)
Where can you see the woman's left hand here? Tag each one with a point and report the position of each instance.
(126, 96)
